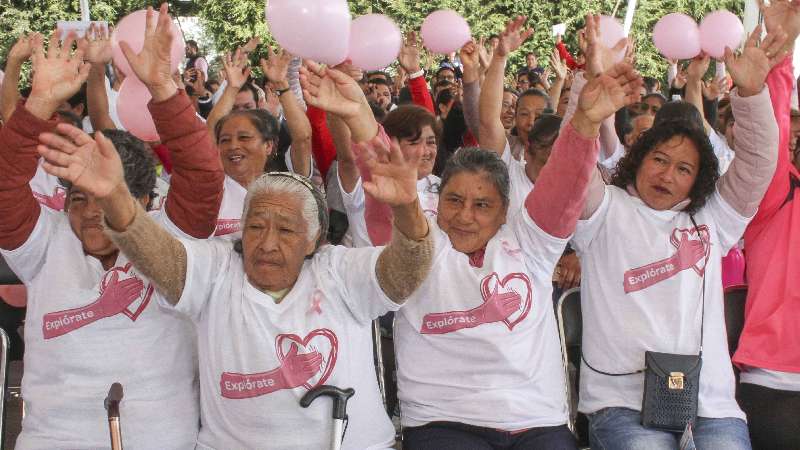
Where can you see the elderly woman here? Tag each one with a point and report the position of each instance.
(651, 246)
(277, 313)
(479, 364)
(92, 319)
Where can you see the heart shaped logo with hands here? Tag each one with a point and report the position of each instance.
(321, 340)
(137, 307)
(701, 234)
(517, 283)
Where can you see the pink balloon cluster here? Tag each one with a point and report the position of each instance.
(677, 36)
(133, 94)
(314, 29)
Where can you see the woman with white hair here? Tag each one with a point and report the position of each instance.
(277, 313)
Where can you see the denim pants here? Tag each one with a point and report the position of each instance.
(621, 429)
(459, 436)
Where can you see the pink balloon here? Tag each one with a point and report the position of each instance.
(132, 110)
(445, 31)
(718, 30)
(677, 36)
(314, 29)
(611, 32)
(131, 30)
(375, 41)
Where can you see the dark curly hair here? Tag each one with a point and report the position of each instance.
(707, 174)
(138, 164)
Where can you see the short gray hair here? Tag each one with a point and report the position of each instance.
(273, 183)
(476, 160)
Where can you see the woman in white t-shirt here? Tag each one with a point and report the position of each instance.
(478, 358)
(278, 313)
(651, 245)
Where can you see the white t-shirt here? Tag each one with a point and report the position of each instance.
(773, 379)
(724, 153)
(520, 184)
(355, 206)
(505, 374)
(636, 297)
(47, 190)
(245, 342)
(74, 350)
(230, 210)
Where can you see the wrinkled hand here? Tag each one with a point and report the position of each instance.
(23, 48)
(59, 74)
(276, 66)
(750, 69)
(599, 58)
(394, 174)
(783, 14)
(409, 57)
(513, 36)
(237, 71)
(698, 67)
(331, 90)
(98, 44)
(568, 272)
(118, 295)
(558, 66)
(92, 165)
(296, 369)
(610, 91)
(500, 306)
(153, 64)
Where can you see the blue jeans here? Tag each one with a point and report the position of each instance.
(621, 429)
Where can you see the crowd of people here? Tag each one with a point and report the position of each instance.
(240, 261)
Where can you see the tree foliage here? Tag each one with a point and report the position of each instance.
(231, 22)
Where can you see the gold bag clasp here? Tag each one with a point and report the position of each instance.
(675, 380)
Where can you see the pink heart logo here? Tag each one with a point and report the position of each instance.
(320, 340)
(514, 282)
(137, 307)
(701, 234)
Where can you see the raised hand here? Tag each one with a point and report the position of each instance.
(784, 14)
(118, 295)
(484, 53)
(23, 48)
(698, 67)
(237, 71)
(331, 90)
(276, 66)
(558, 66)
(599, 58)
(513, 36)
(608, 92)
(153, 64)
(409, 57)
(57, 75)
(91, 165)
(750, 69)
(297, 369)
(98, 44)
(470, 59)
(352, 71)
(394, 174)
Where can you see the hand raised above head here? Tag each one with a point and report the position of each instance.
(784, 14)
(57, 74)
(599, 58)
(331, 90)
(237, 70)
(394, 174)
(276, 66)
(98, 44)
(605, 94)
(513, 36)
(749, 70)
(153, 65)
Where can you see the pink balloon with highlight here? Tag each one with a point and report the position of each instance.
(131, 30)
(313, 29)
(718, 30)
(445, 31)
(677, 36)
(375, 42)
(132, 110)
(611, 32)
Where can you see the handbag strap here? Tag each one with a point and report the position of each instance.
(702, 314)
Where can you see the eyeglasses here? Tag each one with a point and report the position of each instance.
(643, 108)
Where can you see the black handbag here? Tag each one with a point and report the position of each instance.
(671, 381)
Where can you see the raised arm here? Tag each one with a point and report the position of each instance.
(275, 68)
(409, 60)
(197, 176)
(93, 165)
(9, 92)
(98, 54)
(236, 73)
(471, 60)
(57, 76)
(694, 85)
(565, 179)
(749, 175)
(559, 68)
(491, 132)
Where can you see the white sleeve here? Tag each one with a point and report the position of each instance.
(729, 224)
(27, 260)
(541, 249)
(216, 96)
(611, 162)
(293, 76)
(723, 152)
(588, 229)
(288, 159)
(355, 206)
(207, 264)
(352, 276)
